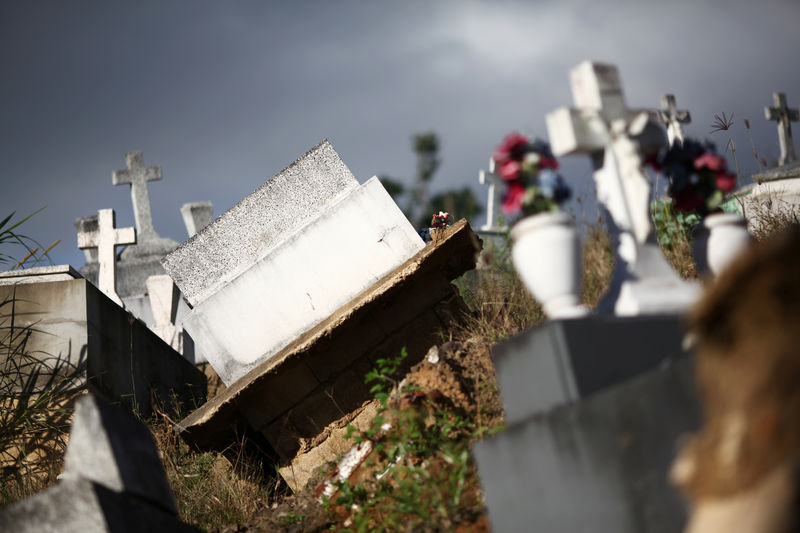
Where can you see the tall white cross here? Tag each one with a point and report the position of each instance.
(106, 238)
(784, 116)
(137, 175)
(673, 118)
(617, 139)
(493, 201)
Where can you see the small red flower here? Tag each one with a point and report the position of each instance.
(548, 162)
(509, 170)
(726, 182)
(710, 161)
(512, 148)
(512, 199)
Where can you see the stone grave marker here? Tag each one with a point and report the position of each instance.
(784, 116)
(87, 225)
(673, 118)
(617, 139)
(284, 258)
(113, 481)
(196, 216)
(164, 299)
(493, 201)
(105, 240)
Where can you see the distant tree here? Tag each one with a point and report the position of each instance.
(419, 205)
(426, 147)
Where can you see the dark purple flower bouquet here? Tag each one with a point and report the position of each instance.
(698, 177)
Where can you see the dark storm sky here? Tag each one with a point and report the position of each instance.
(224, 95)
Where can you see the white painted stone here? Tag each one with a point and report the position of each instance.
(300, 281)
(493, 201)
(248, 231)
(673, 118)
(39, 275)
(105, 240)
(196, 216)
(617, 138)
(784, 116)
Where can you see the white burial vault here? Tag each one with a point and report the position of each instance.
(284, 258)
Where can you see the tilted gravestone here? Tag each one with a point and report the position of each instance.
(113, 481)
(285, 257)
(196, 216)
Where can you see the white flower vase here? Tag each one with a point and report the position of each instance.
(546, 253)
(724, 236)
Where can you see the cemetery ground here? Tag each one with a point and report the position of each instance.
(419, 475)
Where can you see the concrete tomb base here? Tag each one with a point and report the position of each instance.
(293, 397)
(78, 334)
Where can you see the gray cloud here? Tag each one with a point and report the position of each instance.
(224, 95)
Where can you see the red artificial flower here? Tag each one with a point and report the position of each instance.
(512, 199)
(512, 147)
(509, 170)
(710, 161)
(726, 182)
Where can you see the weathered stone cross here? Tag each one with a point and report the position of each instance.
(784, 116)
(137, 175)
(673, 118)
(493, 200)
(617, 139)
(106, 239)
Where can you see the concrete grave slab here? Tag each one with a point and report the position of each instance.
(79, 334)
(39, 275)
(253, 227)
(318, 378)
(566, 360)
(599, 464)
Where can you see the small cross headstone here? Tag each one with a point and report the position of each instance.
(105, 239)
(196, 216)
(617, 139)
(784, 116)
(673, 118)
(137, 175)
(493, 201)
(164, 298)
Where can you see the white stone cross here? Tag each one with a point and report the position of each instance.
(493, 201)
(673, 118)
(784, 116)
(106, 239)
(137, 176)
(617, 139)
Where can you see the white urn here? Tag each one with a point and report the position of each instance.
(723, 238)
(546, 253)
